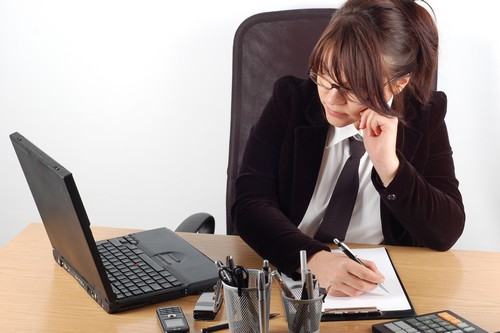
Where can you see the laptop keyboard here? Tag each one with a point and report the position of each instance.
(131, 271)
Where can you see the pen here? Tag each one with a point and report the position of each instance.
(325, 292)
(240, 276)
(229, 262)
(303, 265)
(309, 285)
(266, 269)
(284, 288)
(347, 251)
(224, 326)
(261, 296)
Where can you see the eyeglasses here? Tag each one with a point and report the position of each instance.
(323, 82)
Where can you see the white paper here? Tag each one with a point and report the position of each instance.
(395, 300)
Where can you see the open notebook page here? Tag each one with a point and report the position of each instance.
(395, 300)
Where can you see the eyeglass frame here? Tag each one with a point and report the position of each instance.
(342, 91)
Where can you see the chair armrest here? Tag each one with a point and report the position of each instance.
(198, 223)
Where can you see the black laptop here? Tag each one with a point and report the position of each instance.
(120, 273)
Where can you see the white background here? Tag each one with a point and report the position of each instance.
(134, 98)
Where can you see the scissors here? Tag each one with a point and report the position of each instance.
(236, 277)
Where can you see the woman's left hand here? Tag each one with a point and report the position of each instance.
(380, 133)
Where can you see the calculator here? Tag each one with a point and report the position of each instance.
(435, 322)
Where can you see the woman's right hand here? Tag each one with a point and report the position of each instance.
(345, 276)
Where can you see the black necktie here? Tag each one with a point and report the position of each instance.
(339, 210)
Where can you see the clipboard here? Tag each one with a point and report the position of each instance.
(376, 304)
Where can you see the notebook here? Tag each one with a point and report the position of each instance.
(375, 304)
(122, 273)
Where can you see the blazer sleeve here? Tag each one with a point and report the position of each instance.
(423, 206)
(260, 219)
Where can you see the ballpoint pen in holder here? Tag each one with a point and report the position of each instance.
(282, 284)
(261, 296)
(266, 269)
(247, 299)
(302, 304)
(303, 315)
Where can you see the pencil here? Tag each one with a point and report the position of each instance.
(226, 325)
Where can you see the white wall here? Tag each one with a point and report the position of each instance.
(133, 97)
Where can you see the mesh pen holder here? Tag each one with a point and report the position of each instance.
(243, 311)
(303, 316)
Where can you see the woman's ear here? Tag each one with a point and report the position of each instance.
(401, 83)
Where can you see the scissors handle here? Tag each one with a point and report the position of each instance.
(240, 275)
(226, 276)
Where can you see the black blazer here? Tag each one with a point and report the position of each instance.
(422, 206)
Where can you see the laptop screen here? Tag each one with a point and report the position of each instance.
(62, 211)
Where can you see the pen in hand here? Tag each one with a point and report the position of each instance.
(347, 251)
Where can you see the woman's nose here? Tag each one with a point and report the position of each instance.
(334, 97)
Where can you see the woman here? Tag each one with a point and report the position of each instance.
(371, 74)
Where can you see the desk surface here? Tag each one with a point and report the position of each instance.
(36, 295)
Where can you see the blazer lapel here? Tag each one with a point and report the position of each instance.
(309, 147)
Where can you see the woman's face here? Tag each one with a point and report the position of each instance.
(341, 109)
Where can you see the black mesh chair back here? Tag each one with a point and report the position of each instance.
(266, 47)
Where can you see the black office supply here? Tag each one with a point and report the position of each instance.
(224, 326)
(440, 321)
(208, 304)
(215, 328)
(266, 269)
(234, 275)
(240, 275)
(111, 271)
(225, 274)
(172, 319)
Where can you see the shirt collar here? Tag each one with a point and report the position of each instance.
(339, 134)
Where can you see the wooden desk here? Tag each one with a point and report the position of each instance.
(36, 295)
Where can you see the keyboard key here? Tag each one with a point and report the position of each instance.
(131, 271)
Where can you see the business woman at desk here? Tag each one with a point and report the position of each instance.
(371, 79)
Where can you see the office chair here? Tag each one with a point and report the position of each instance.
(266, 46)
(202, 223)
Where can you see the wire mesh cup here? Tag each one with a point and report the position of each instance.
(302, 316)
(243, 311)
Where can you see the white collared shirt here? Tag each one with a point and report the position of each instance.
(365, 225)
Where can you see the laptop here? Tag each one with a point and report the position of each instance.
(121, 273)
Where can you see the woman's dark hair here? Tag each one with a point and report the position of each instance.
(371, 43)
